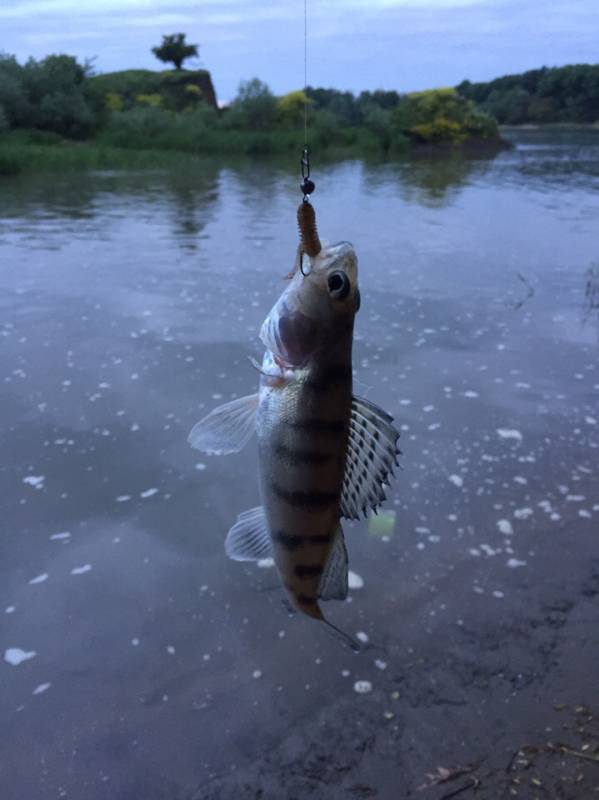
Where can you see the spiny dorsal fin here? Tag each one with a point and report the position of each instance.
(371, 456)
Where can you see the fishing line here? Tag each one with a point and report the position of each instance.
(306, 216)
(306, 74)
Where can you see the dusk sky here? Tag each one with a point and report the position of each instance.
(353, 44)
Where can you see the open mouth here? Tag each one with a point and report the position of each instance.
(284, 365)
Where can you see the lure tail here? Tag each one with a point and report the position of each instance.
(306, 218)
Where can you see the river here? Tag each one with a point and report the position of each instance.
(136, 660)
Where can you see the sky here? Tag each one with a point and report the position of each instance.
(352, 44)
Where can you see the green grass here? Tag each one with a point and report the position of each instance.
(170, 147)
(18, 157)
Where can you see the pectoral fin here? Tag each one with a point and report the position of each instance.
(248, 539)
(371, 455)
(226, 429)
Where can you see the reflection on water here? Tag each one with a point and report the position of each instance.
(129, 305)
(436, 181)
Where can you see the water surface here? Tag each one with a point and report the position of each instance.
(137, 661)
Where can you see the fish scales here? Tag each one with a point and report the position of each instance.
(303, 428)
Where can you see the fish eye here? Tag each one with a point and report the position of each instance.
(339, 285)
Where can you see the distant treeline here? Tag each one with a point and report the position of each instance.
(57, 99)
(555, 94)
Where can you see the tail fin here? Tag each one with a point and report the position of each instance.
(342, 636)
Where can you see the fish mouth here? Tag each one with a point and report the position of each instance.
(285, 365)
(290, 336)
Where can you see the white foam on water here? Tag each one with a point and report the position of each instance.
(513, 563)
(37, 481)
(488, 550)
(170, 650)
(59, 536)
(523, 513)
(81, 570)
(16, 656)
(362, 637)
(507, 433)
(354, 581)
(43, 687)
(135, 642)
(123, 498)
(362, 687)
(148, 493)
(456, 480)
(200, 466)
(39, 578)
(256, 673)
(470, 393)
(380, 664)
(505, 527)
(266, 563)
(498, 594)
(10, 609)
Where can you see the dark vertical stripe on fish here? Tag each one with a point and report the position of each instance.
(308, 570)
(288, 540)
(315, 498)
(306, 600)
(333, 375)
(293, 457)
(320, 538)
(319, 425)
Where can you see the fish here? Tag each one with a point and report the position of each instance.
(324, 453)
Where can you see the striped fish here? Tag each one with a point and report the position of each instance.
(324, 454)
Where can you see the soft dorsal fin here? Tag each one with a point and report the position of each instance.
(371, 455)
(226, 429)
(333, 584)
(248, 539)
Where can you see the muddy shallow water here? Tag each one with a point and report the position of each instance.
(136, 661)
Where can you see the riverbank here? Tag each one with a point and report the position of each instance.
(29, 152)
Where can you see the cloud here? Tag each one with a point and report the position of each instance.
(353, 44)
(281, 9)
(59, 8)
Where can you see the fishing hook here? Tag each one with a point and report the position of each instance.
(305, 274)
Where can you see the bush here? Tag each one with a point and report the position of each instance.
(50, 94)
(151, 127)
(441, 115)
(254, 108)
(179, 90)
(291, 109)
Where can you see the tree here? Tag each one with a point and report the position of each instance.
(174, 48)
(255, 106)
